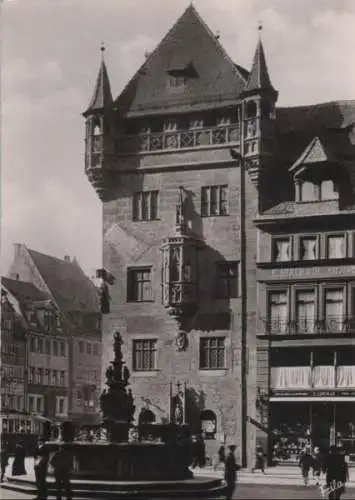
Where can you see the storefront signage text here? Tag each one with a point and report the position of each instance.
(310, 271)
(313, 393)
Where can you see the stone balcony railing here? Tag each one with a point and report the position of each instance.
(316, 377)
(311, 326)
(177, 140)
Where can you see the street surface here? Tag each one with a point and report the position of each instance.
(243, 491)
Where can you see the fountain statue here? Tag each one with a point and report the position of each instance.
(117, 401)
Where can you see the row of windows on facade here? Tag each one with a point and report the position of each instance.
(87, 398)
(47, 318)
(211, 355)
(139, 282)
(11, 373)
(89, 348)
(308, 305)
(11, 349)
(47, 376)
(47, 346)
(36, 404)
(12, 402)
(311, 247)
(214, 202)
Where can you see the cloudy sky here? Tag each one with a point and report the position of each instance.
(50, 58)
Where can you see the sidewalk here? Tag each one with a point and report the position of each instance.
(281, 475)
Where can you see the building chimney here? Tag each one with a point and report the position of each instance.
(67, 258)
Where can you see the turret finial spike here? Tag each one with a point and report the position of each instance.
(260, 27)
(102, 48)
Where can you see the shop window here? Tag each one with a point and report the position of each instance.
(139, 285)
(281, 249)
(227, 280)
(144, 355)
(209, 424)
(212, 353)
(308, 248)
(336, 246)
(214, 201)
(308, 191)
(146, 417)
(305, 310)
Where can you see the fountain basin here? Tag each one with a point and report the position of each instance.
(150, 461)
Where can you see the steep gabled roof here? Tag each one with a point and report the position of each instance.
(67, 282)
(188, 47)
(315, 152)
(259, 78)
(23, 291)
(102, 96)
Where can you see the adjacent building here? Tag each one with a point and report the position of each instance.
(13, 353)
(228, 227)
(64, 353)
(306, 283)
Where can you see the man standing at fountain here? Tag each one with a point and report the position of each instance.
(62, 463)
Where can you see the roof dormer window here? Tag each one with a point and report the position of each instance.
(328, 190)
(311, 191)
(177, 81)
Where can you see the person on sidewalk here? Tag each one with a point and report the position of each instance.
(220, 457)
(337, 473)
(18, 465)
(259, 460)
(318, 464)
(40, 468)
(306, 463)
(230, 472)
(5, 455)
(62, 463)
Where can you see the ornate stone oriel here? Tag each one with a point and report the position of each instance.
(180, 266)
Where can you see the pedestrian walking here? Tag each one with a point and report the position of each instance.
(337, 473)
(230, 472)
(318, 464)
(18, 465)
(306, 462)
(41, 467)
(62, 463)
(5, 455)
(259, 459)
(220, 457)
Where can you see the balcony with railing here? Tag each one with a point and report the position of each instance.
(308, 326)
(318, 377)
(179, 139)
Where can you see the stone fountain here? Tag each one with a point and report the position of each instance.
(113, 459)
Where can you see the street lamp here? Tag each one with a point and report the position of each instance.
(235, 155)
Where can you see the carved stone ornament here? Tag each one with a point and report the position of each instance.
(181, 341)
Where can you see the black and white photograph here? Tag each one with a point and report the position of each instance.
(177, 249)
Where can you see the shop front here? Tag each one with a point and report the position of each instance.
(322, 420)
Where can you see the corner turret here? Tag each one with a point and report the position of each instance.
(258, 112)
(99, 138)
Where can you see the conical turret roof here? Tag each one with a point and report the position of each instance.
(259, 78)
(102, 96)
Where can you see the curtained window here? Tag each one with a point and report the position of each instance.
(334, 309)
(323, 376)
(305, 310)
(308, 248)
(281, 250)
(346, 376)
(309, 191)
(290, 377)
(336, 247)
(278, 311)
